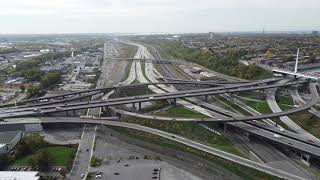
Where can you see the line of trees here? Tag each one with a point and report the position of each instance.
(223, 64)
(31, 71)
(47, 81)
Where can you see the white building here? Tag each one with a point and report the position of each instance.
(19, 175)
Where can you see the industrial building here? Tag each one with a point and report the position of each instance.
(8, 140)
(19, 175)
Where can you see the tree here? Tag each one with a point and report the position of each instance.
(4, 161)
(43, 160)
(50, 79)
(22, 87)
(29, 144)
(40, 160)
(35, 91)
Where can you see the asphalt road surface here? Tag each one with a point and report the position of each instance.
(83, 156)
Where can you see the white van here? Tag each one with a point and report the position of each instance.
(276, 136)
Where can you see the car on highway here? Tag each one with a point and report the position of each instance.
(44, 100)
(59, 108)
(98, 176)
(82, 175)
(276, 136)
(36, 110)
(151, 97)
(281, 129)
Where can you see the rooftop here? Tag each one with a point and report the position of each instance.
(16, 175)
(7, 136)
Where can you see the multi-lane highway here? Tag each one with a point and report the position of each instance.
(176, 138)
(148, 76)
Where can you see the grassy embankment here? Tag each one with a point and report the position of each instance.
(182, 112)
(190, 130)
(58, 156)
(308, 122)
(227, 64)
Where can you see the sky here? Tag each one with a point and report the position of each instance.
(155, 16)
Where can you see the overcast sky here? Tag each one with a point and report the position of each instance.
(125, 16)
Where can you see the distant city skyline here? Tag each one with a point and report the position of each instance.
(170, 16)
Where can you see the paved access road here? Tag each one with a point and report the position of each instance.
(83, 156)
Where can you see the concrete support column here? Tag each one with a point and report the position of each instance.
(106, 111)
(259, 94)
(206, 98)
(140, 106)
(116, 91)
(174, 101)
(134, 105)
(305, 159)
(225, 128)
(231, 98)
(74, 113)
(247, 136)
(118, 115)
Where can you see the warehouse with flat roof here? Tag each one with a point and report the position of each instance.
(19, 175)
(8, 140)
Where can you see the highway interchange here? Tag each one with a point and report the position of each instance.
(191, 99)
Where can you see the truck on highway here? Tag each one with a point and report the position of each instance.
(36, 110)
(87, 117)
(59, 108)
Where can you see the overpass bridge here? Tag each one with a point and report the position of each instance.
(22, 112)
(98, 90)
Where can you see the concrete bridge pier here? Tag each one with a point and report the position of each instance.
(107, 111)
(206, 98)
(116, 91)
(140, 103)
(247, 136)
(118, 114)
(163, 102)
(225, 128)
(134, 105)
(305, 159)
(174, 103)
